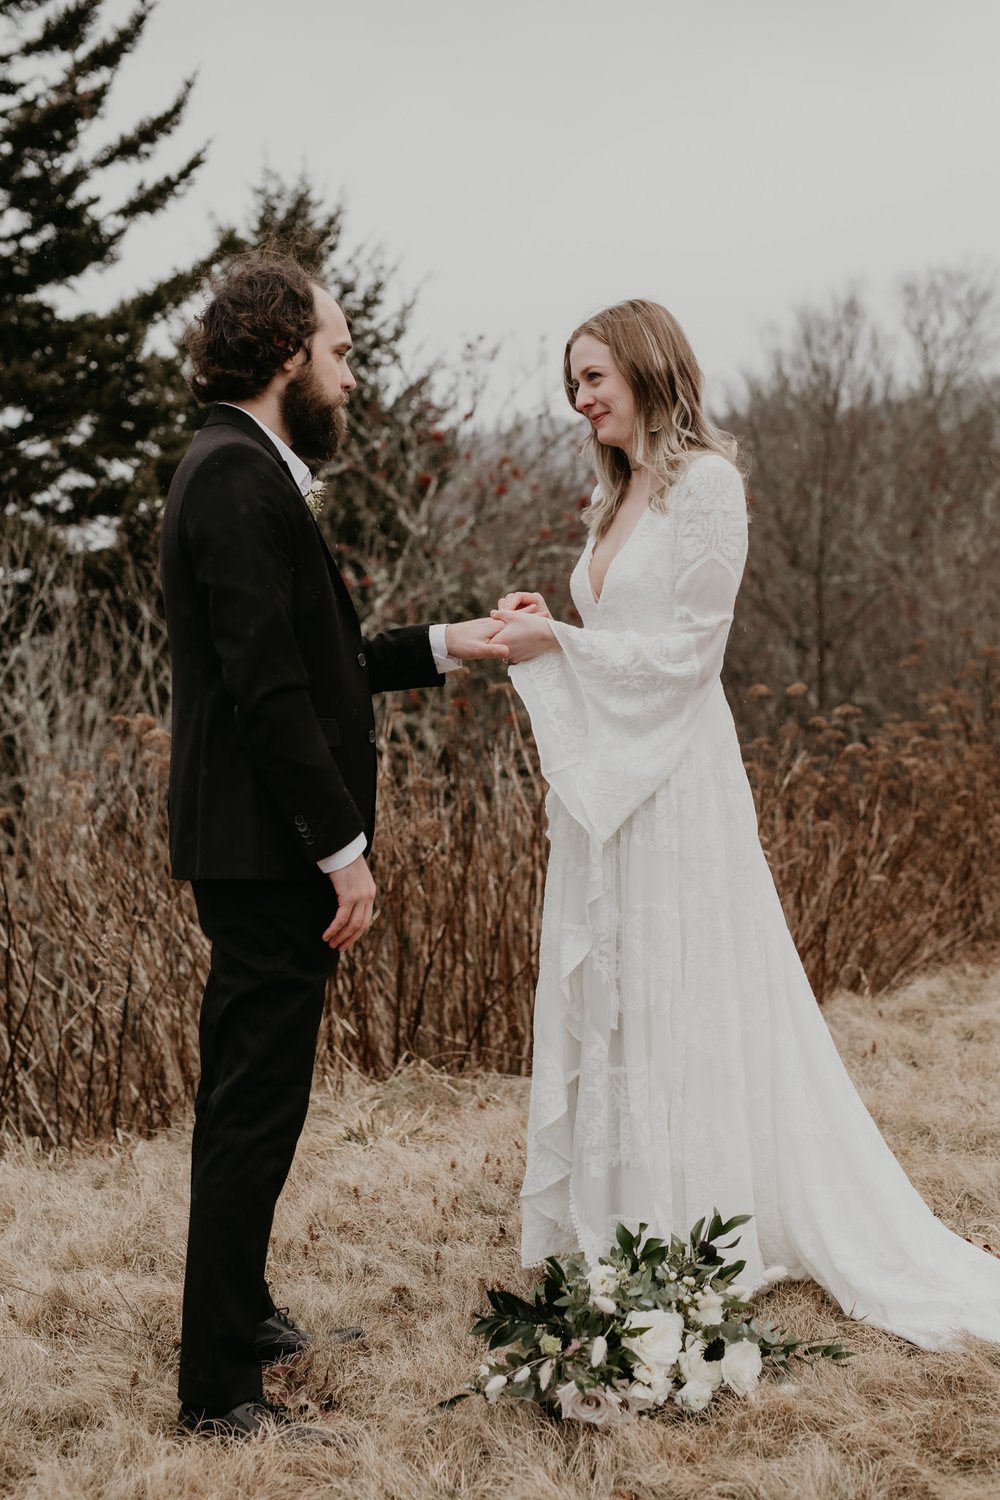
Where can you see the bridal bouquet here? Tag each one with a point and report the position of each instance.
(651, 1323)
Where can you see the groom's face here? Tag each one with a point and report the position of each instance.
(313, 401)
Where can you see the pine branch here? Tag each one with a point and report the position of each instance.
(65, 31)
(149, 198)
(142, 141)
(110, 51)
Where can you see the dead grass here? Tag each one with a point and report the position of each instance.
(402, 1207)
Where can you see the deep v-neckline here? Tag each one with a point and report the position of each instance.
(597, 597)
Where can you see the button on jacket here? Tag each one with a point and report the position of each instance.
(273, 736)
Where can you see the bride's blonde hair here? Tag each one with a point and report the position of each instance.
(649, 347)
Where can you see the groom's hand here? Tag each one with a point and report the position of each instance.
(471, 640)
(355, 903)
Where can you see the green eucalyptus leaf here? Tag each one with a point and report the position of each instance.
(735, 1222)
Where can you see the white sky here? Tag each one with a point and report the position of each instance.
(530, 161)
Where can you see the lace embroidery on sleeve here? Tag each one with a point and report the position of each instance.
(712, 518)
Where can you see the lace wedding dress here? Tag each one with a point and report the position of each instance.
(680, 1059)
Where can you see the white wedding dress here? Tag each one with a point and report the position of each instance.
(680, 1059)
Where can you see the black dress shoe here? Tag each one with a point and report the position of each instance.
(279, 1337)
(254, 1419)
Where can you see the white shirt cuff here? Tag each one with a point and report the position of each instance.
(343, 856)
(439, 650)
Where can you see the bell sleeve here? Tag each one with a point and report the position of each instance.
(614, 709)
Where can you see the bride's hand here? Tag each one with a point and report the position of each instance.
(525, 634)
(529, 604)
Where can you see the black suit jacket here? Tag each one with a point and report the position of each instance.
(273, 735)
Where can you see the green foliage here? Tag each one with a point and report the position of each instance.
(88, 403)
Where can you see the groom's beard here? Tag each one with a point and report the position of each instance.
(316, 425)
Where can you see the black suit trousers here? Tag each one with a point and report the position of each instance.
(260, 1017)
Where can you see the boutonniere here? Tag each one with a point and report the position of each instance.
(315, 498)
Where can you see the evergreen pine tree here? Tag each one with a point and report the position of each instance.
(85, 404)
(94, 412)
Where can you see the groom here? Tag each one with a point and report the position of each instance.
(272, 790)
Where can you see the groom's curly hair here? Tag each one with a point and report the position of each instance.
(260, 314)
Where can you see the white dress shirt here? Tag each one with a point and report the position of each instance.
(302, 475)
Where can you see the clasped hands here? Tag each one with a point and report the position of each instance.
(516, 631)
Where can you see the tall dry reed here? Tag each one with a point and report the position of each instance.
(885, 845)
(885, 848)
(447, 972)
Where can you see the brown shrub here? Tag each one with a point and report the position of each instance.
(886, 850)
(101, 954)
(885, 845)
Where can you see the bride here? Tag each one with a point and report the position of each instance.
(680, 1059)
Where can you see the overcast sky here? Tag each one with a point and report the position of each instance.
(530, 161)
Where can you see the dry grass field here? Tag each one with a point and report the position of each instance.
(402, 1207)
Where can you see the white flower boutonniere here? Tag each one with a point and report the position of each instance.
(315, 498)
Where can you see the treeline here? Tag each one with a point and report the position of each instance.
(875, 470)
(872, 446)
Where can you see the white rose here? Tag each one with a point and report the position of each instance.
(741, 1366)
(694, 1395)
(638, 1397)
(694, 1366)
(599, 1351)
(708, 1309)
(597, 1406)
(493, 1387)
(603, 1281)
(656, 1378)
(660, 1342)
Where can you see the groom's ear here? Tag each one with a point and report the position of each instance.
(296, 357)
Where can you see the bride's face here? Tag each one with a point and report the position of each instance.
(603, 395)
